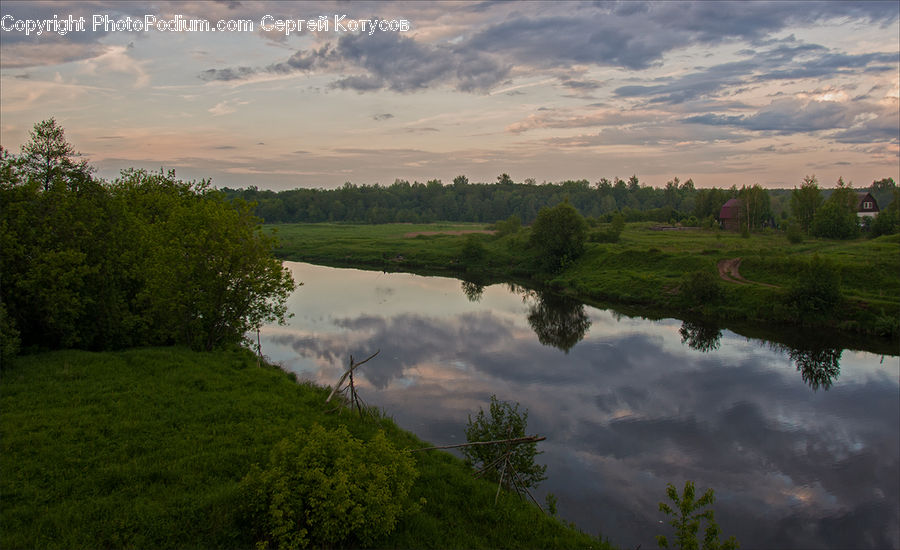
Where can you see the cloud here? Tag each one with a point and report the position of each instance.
(786, 61)
(386, 61)
(634, 36)
(117, 59)
(855, 122)
(569, 119)
(226, 107)
(628, 412)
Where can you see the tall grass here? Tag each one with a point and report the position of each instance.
(146, 448)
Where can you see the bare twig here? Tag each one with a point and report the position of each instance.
(349, 372)
(514, 441)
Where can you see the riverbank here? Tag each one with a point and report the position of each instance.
(146, 448)
(646, 272)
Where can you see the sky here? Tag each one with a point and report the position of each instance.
(723, 93)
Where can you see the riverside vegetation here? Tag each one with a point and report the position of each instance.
(136, 446)
(109, 442)
(848, 286)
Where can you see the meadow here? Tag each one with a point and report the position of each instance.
(146, 448)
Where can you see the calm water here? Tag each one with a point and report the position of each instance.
(802, 446)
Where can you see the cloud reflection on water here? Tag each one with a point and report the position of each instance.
(626, 411)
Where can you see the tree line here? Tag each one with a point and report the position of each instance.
(145, 259)
(676, 202)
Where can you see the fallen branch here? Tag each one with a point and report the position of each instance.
(514, 441)
(349, 372)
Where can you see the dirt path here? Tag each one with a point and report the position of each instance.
(729, 270)
(459, 232)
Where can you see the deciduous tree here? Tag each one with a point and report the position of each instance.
(559, 234)
(805, 201)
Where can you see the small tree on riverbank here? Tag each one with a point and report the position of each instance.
(511, 465)
(559, 234)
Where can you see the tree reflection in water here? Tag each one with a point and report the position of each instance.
(473, 291)
(818, 366)
(558, 321)
(699, 336)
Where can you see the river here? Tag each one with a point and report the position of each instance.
(801, 444)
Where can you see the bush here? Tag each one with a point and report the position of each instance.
(324, 488)
(509, 226)
(794, 233)
(817, 290)
(887, 222)
(473, 250)
(611, 233)
(700, 287)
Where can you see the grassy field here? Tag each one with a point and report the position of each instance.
(646, 268)
(146, 448)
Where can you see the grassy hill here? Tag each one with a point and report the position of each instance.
(146, 448)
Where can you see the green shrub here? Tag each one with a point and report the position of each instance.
(473, 250)
(324, 488)
(509, 226)
(794, 233)
(700, 287)
(817, 290)
(612, 233)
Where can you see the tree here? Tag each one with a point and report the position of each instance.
(47, 156)
(756, 210)
(557, 320)
(505, 422)
(700, 336)
(214, 279)
(805, 201)
(144, 260)
(817, 289)
(687, 517)
(887, 222)
(837, 219)
(559, 234)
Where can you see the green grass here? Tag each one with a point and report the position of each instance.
(644, 269)
(146, 448)
(369, 244)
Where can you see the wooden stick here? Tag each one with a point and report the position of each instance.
(346, 374)
(514, 441)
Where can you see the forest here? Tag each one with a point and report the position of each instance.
(417, 202)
